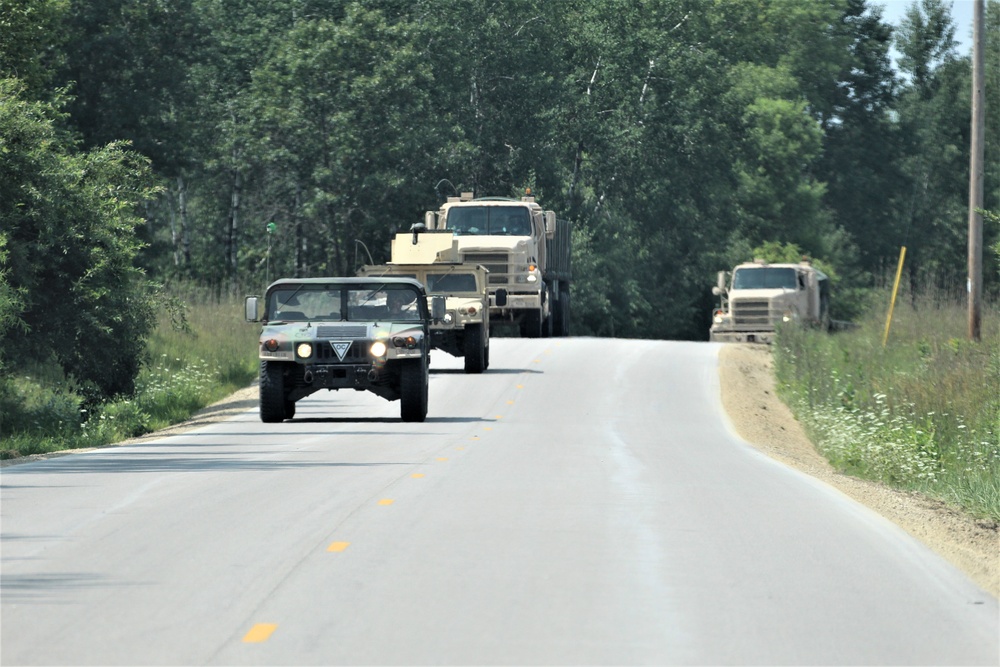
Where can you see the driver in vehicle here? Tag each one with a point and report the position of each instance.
(401, 305)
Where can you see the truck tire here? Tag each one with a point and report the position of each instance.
(475, 349)
(562, 307)
(413, 390)
(531, 324)
(272, 392)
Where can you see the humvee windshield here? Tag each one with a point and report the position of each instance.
(304, 303)
(765, 277)
(490, 220)
(332, 303)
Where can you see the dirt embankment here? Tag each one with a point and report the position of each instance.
(761, 419)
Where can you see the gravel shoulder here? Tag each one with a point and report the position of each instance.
(759, 417)
(763, 420)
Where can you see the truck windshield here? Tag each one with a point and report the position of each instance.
(764, 277)
(490, 220)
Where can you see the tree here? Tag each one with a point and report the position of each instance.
(934, 112)
(69, 222)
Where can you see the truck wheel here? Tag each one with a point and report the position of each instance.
(272, 392)
(289, 409)
(531, 325)
(562, 322)
(413, 390)
(475, 349)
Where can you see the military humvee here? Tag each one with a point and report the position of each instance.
(464, 331)
(367, 334)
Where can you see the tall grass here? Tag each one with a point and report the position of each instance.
(201, 351)
(921, 413)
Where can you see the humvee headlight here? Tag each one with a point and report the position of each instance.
(449, 318)
(271, 344)
(304, 350)
(532, 278)
(409, 342)
(378, 349)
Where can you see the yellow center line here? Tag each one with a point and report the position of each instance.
(417, 475)
(442, 458)
(386, 501)
(338, 546)
(520, 386)
(510, 402)
(259, 633)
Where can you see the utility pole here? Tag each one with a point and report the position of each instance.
(975, 280)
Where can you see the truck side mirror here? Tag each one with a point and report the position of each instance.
(720, 282)
(438, 309)
(550, 224)
(250, 309)
(500, 298)
(430, 220)
(717, 291)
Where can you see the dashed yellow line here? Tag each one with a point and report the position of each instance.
(417, 475)
(338, 546)
(259, 633)
(386, 501)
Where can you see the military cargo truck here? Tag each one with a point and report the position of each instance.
(526, 251)
(761, 295)
(367, 334)
(431, 259)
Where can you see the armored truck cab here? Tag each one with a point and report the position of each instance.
(760, 296)
(464, 330)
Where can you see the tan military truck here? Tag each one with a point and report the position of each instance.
(525, 249)
(759, 296)
(432, 259)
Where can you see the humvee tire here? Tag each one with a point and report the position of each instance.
(272, 392)
(413, 390)
(475, 349)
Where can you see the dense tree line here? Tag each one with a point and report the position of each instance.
(677, 135)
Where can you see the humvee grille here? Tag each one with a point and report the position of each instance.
(751, 311)
(357, 352)
(345, 331)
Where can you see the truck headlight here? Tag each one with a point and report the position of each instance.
(304, 350)
(378, 349)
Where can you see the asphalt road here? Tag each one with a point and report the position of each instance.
(584, 501)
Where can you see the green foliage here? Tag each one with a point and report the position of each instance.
(675, 133)
(31, 42)
(204, 360)
(922, 413)
(69, 221)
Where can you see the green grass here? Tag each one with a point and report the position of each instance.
(921, 413)
(201, 351)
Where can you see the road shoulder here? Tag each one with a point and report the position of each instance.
(764, 421)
